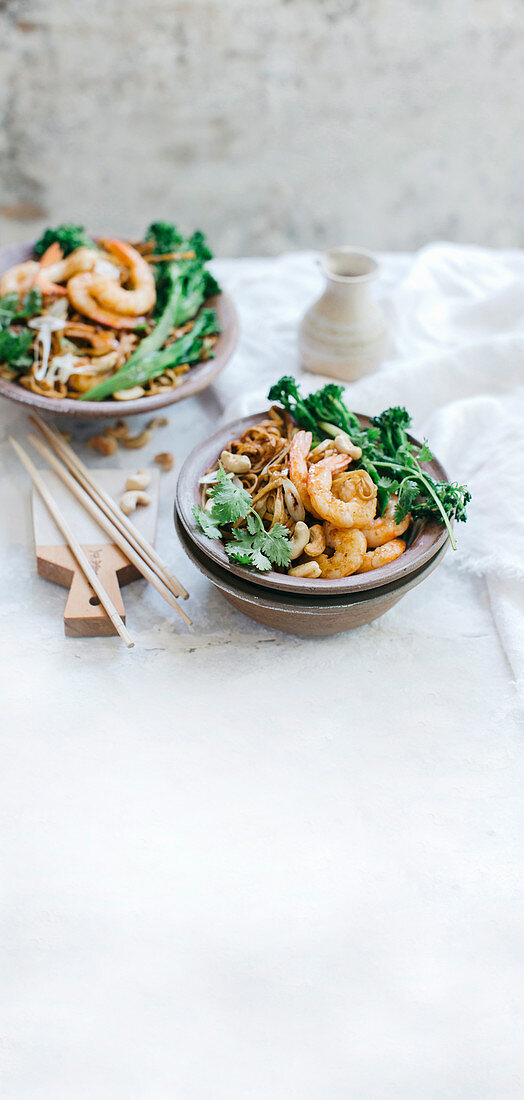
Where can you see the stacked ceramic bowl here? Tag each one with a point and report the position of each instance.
(299, 606)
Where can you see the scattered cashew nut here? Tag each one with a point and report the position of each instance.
(140, 480)
(235, 464)
(345, 446)
(165, 460)
(130, 500)
(157, 422)
(104, 444)
(120, 430)
(317, 541)
(300, 539)
(134, 442)
(309, 571)
(292, 500)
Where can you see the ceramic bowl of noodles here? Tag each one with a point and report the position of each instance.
(301, 612)
(413, 547)
(62, 343)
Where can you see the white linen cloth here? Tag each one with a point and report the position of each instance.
(457, 363)
(241, 865)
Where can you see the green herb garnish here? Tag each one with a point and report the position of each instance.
(249, 545)
(14, 348)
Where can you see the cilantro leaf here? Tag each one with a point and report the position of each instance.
(409, 491)
(258, 547)
(11, 309)
(425, 455)
(8, 308)
(14, 348)
(275, 544)
(259, 560)
(234, 553)
(31, 303)
(207, 522)
(254, 523)
(230, 502)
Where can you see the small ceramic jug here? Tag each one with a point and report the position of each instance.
(344, 334)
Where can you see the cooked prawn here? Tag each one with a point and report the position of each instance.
(384, 528)
(51, 255)
(355, 512)
(47, 274)
(383, 555)
(20, 278)
(112, 296)
(82, 259)
(349, 547)
(79, 289)
(298, 453)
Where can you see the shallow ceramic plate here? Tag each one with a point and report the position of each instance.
(311, 616)
(430, 539)
(198, 378)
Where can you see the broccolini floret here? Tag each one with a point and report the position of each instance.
(69, 237)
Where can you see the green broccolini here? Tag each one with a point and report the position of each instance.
(67, 236)
(387, 454)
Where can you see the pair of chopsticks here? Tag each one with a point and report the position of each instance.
(72, 471)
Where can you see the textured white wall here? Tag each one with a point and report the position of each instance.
(273, 124)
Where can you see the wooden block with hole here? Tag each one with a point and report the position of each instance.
(83, 614)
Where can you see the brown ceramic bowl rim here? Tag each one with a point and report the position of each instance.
(427, 543)
(273, 600)
(196, 380)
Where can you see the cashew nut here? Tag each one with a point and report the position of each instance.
(345, 446)
(300, 539)
(235, 464)
(134, 442)
(130, 500)
(165, 460)
(319, 450)
(120, 430)
(317, 541)
(140, 480)
(104, 444)
(309, 571)
(130, 394)
(157, 422)
(292, 500)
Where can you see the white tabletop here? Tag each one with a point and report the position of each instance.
(242, 865)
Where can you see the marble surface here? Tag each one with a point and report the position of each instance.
(239, 864)
(275, 124)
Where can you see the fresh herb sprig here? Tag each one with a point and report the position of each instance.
(15, 343)
(249, 545)
(390, 459)
(12, 309)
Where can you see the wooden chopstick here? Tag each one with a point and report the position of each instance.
(72, 542)
(106, 524)
(107, 504)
